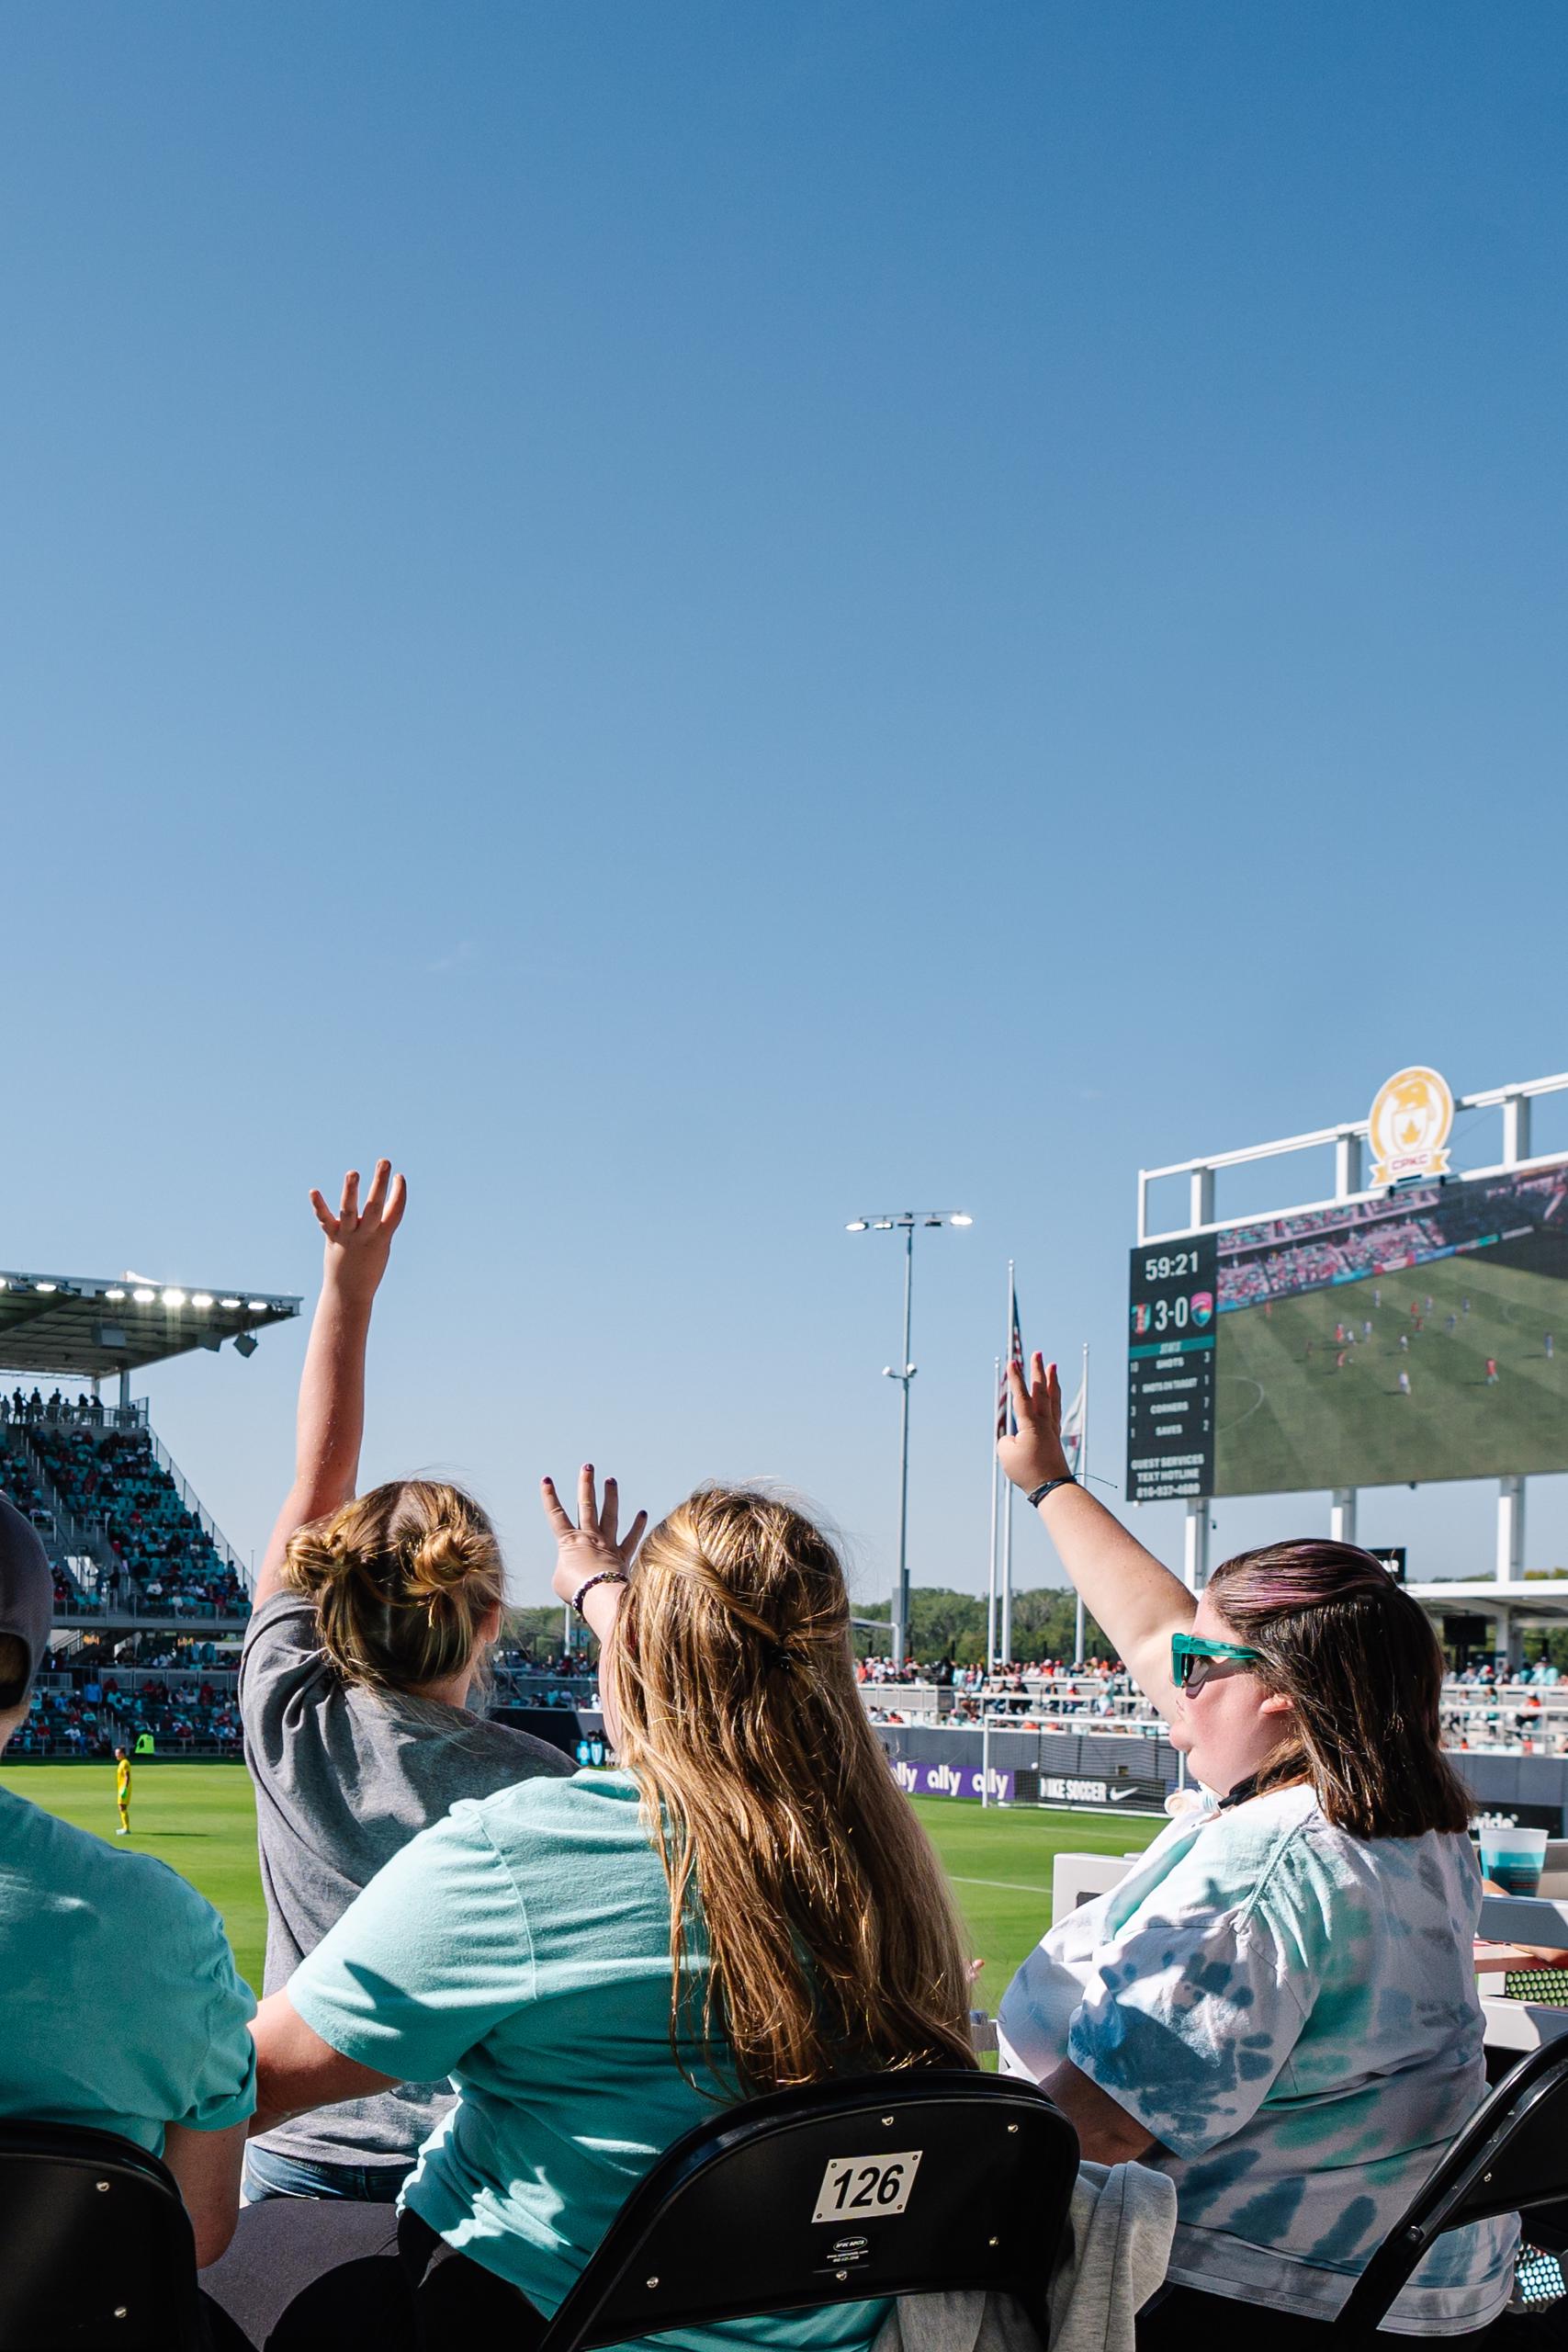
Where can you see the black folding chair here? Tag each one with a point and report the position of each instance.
(96, 2246)
(1512, 2157)
(879, 2185)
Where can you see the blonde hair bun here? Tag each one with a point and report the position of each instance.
(403, 1580)
(439, 1562)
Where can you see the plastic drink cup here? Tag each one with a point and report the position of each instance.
(1512, 1859)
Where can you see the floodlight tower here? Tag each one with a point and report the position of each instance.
(905, 1222)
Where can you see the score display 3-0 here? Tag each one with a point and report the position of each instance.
(1171, 1372)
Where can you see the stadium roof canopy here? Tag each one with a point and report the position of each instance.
(73, 1326)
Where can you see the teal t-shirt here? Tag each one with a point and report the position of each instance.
(120, 2005)
(522, 1947)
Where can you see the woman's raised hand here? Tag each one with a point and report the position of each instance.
(359, 1240)
(589, 1548)
(1034, 1454)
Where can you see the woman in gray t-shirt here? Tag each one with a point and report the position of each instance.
(372, 1617)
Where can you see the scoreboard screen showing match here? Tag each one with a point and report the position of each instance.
(1418, 1336)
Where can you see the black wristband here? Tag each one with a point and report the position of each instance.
(1049, 1488)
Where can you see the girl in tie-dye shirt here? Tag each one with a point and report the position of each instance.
(1277, 2006)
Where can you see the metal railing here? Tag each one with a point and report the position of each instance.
(95, 1415)
(95, 1614)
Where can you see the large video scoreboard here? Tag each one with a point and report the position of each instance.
(1420, 1334)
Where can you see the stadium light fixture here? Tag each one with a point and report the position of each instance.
(46, 1285)
(906, 1223)
(202, 1298)
(173, 1298)
(228, 1301)
(114, 1294)
(144, 1298)
(258, 1305)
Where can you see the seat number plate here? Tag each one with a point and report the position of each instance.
(866, 2187)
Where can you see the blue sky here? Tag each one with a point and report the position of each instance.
(698, 619)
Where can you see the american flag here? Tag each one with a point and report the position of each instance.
(1004, 1420)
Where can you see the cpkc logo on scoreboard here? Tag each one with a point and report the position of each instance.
(1409, 1127)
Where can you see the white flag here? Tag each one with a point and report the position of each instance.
(1072, 1427)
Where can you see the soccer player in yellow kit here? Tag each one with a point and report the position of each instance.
(122, 1791)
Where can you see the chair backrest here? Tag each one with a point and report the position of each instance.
(1512, 2157)
(96, 2246)
(878, 2185)
(1079, 1878)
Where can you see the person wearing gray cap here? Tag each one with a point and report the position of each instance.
(122, 2008)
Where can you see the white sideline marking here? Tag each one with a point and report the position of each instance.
(1018, 1885)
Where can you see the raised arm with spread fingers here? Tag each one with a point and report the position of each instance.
(331, 1421)
(589, 1554)
(1125, 1589)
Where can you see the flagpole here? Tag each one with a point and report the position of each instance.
(991, 1578)
(1004, 1627)
(1082, 1473)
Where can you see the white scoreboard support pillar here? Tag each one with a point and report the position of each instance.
(1511, 1491)
(1196, 1568)
(1510, 1529)
(1516, 1129)
(1347, 1163)
(1347, 1182)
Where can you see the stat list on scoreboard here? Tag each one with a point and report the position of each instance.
(1170, 1370)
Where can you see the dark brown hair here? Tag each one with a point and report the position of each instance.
(830, 1936)
(402, 1578)
(1360, 1665)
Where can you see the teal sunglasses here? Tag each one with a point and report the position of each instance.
(1191, 1656)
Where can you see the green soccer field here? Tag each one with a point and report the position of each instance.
(1291, 1422)
(199, 1818)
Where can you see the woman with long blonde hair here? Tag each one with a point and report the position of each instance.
(745, 1903)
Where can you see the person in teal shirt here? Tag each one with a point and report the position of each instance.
(524, 1944)
(123, 2010)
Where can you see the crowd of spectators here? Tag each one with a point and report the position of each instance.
(1492, 1709)
(82, 1715)
(1484, 1706)
(560, 1679)
(1312, 1264)
(114, 1486)
(1367, 1238)
(19, 1485)
(1045, 1694)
